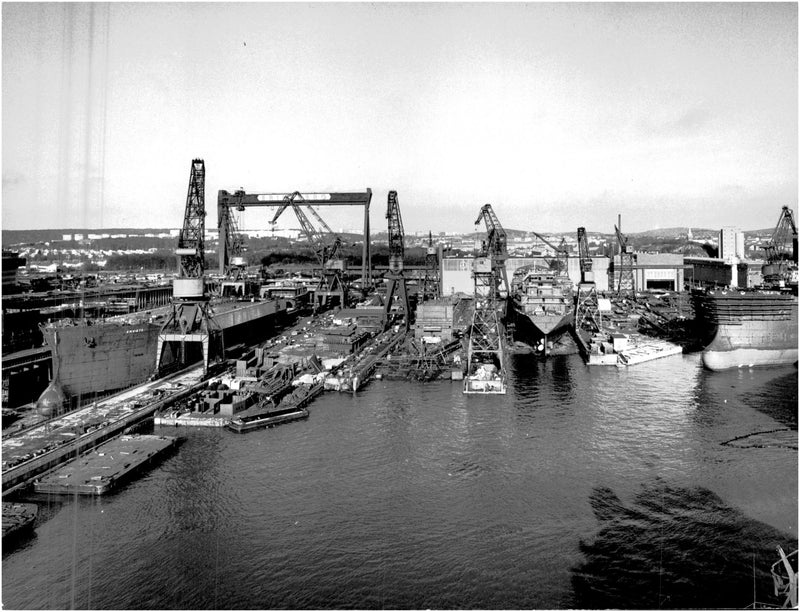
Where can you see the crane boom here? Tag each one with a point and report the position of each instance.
(497, 241)
(396, 246)
(191, 251)
(784, 230)
(583, 255)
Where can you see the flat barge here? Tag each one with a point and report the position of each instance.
(18, 519)
(33, 451)
(107, 466)
(266, 419)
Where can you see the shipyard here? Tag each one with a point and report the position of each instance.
(429, 378)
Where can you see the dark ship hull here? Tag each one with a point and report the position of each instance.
(92, 358)
(543, 308)
(750, 328)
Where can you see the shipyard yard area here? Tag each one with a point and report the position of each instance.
(399, 306)
(378, 395)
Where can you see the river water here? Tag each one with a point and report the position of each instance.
(647, 487)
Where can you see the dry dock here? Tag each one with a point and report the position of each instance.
(107, 466)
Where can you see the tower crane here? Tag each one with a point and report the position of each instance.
(625, 281)
(587, 310)
(190, 319)
(781, 260)
(397, 282)
(327, 247)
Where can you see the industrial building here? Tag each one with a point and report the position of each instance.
(652, 271)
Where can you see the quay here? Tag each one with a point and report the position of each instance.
(32, 451)
(107, 466)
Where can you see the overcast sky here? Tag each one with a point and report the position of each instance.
(559, 115)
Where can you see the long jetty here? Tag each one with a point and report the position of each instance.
(30, 452)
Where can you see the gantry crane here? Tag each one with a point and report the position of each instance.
(587, 310)
(780, 269)
(626, 283)
(397, 281)
(232, 261)
(486, 349)
(241, 200)
(190, 320)
(327, 247)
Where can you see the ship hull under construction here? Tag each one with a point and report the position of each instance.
(542, 308)
(92, 358)
(750, 328)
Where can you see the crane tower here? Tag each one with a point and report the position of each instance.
(486, 350)
(397, 281)
(587, 310)
(190, 320)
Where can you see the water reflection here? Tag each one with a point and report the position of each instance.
(675, 547)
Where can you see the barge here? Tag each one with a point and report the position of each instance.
(243, 424)
(107, 466)
(18, 519)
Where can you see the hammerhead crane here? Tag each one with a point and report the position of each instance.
(781, 266)
(397, 281)
(327, 251)
(190, 319)
(587, 310)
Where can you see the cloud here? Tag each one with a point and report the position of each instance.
(689, 122)
(13, 179)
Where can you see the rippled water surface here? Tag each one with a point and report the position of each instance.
(661, 485)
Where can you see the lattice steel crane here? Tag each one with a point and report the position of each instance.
(561, 253)
(190, 320)
(431, 284)
(781, 267)
(486, 348)
(397, 282)
(327, 247)
(625, 280)
(587, 310)
(496, 245)
(232, 260)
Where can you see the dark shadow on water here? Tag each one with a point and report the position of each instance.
(675, 548)
(777, 399)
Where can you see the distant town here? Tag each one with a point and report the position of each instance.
(62, 251)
